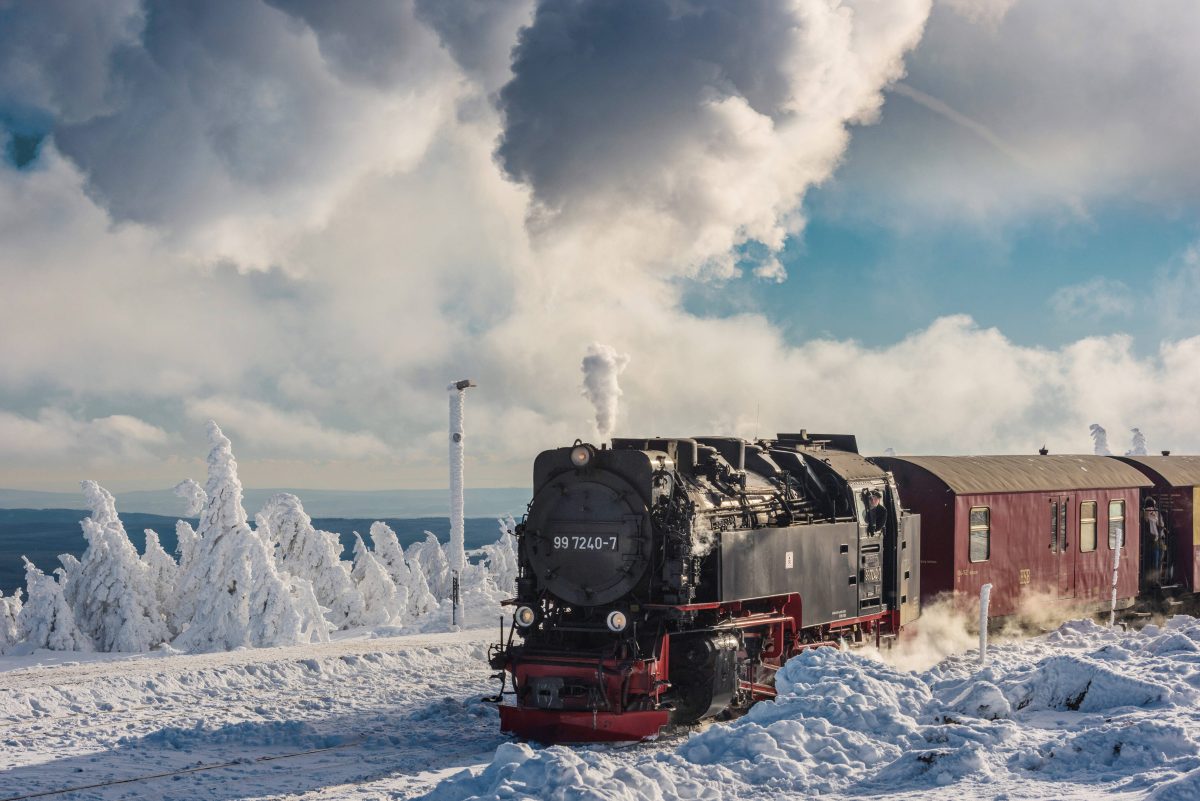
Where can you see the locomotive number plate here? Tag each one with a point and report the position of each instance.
(584, 543)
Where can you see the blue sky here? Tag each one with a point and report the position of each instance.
(302, 224)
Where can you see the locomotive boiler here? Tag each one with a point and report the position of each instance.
(665, 580)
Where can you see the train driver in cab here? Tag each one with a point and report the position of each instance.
(876, 512)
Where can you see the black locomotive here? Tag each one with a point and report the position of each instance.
(665, 580)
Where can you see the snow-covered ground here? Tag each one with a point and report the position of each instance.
(1080, 713)
(395, 713)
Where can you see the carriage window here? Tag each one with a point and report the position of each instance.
(1087, 526)
(1054, 527)
(981, 534)
(1116, 524)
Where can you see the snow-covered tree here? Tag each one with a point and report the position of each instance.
(501, 557)
(193, 495)
(164, 574)
(1099, 440)
(377, 588)
(69, 575)
(115, 603)
(304, 551)
(10, 630)
(231, 576)
(186, 540)
(313, 625)
(46, 619)
(1139, 443)
(432, 558)
(186, 537)
(412, 600)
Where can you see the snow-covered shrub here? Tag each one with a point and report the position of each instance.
(46, 619)
(10, 631)
(164, 573)
(231, 575)
(432, 558)
(304, 551)
(115, 603)
(378, 590)
(501, 557)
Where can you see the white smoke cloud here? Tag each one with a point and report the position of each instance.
(602, 368)
(1099, 440)
(671, 133)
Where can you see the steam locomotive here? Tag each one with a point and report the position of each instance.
(666, 580)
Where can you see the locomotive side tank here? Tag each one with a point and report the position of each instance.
(664, 580)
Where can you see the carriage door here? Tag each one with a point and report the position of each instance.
(1062, 549)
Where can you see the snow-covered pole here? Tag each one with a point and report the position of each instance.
(458, 553)
(1112, 606)
(985, 596)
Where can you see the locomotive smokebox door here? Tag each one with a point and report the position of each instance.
(588, 538)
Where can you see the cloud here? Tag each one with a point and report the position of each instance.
(1013, 109)
(1095, 298)
(233, 126)
(55, 435)
(261, 428)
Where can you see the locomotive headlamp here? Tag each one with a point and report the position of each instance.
(581, 455)
(525, 616)
(617, 621)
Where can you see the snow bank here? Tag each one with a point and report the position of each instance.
(1088, 709)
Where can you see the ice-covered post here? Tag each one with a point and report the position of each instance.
(985, 596)
(458, 553)
(1112, 606)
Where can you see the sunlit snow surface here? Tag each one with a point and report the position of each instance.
(1081, 713)
(1077, 713)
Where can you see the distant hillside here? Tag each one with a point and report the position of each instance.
(318, 503)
